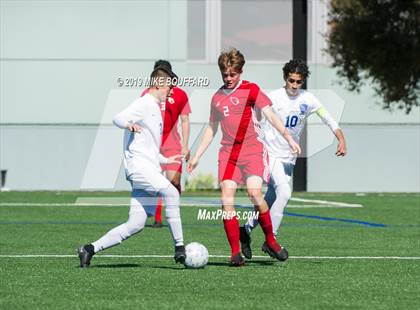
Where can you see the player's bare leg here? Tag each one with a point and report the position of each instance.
(230, 222)
(175, 178)
(270, 246)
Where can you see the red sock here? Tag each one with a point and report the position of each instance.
(232, 233)
(265, 221)
(158, 213)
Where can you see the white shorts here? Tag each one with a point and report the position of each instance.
(280, 172)
(148, 178)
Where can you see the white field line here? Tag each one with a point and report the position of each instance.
(217, 256)
(110, 202)
(326, 202)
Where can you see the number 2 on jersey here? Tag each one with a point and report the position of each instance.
(226, 110)
(291, 121)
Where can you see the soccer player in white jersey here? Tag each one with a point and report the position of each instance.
(292, 105)
(143, 125)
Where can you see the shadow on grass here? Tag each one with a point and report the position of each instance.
(253, 263)
(226, 264)
(262, 262)
(116, 266)
(247, 263)
(119, 266)
(151, 226)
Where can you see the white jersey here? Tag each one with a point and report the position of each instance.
(293, 112)
(142, 148)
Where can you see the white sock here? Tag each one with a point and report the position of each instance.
(173, 214)
(276, 221)
(277, 209)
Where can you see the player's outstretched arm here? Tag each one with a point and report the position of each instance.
(277, 123)
(208, 136)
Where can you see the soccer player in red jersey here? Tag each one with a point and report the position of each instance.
(176, 107)
(236, 106)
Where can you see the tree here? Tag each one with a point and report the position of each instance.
(378, 40)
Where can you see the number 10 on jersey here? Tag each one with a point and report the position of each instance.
(291, 121)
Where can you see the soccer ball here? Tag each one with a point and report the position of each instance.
(197, 255)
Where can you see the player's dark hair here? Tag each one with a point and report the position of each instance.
(162, 63)
(296, 66)
(163, 76)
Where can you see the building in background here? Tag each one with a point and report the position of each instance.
(62, 63)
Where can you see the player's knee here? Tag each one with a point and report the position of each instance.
(134, 229)
(135, 226)
(171, 196)
(277, 209)
(172, 210)
(255, 195)
(136, 221)
(227, 199)
(284, 193)
(170, 192)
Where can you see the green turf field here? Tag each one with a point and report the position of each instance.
(366, 257)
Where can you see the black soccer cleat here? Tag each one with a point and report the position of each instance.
(84, 257)
(280, 255)
(245, 242)
(180, 254)
(237, 260)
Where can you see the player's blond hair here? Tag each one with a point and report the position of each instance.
(232, 58)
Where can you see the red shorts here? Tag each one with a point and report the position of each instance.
(239, 168)
(169, 153)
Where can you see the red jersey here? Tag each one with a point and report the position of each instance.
(174, 106)
(236, 113)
